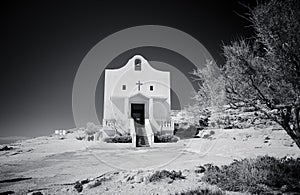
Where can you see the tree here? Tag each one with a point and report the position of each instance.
(211, 86)
(210, 92)
(91, 128)
(264, 72)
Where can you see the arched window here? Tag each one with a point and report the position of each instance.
(137, 65)
(151, 88)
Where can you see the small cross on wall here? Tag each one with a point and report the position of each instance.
(139, 85)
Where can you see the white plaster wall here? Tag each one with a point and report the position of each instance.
(115, 78)
(161, 110)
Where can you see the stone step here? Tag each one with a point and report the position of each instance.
(142, 141)
(141, 136)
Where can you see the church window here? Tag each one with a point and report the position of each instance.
(123, 87)
(151, 87)
(137, 65)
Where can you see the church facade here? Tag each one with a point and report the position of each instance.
(137, 101)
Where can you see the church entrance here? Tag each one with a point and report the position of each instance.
(138, 113)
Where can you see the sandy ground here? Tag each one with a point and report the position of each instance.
(50, 164)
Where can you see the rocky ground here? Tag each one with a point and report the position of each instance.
(51, 165)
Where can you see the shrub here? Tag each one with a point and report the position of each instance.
(203, 122)
(219, 123)
(165, 138)
(213, 124)
(5, 148)
(91, 128)
(164, 174)
(90, 138)
(78, 186)
(118, 139)
(108, 140)
(79, 137)
(186, 133)
(200, 191)
(122, 139)
(208, 135)
(259, 175)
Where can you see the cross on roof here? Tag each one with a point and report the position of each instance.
(139, 85)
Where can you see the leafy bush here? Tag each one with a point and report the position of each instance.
(213, 124)
(186, 133)
(78, 186)
(91, 128)
(200, 191)
(203, 122)
(259, 175)
(208, 135)
(91, 138)
(219, 122)
(108, 140)
(80, 137)
(165, 138)
(118, 139)
(164, 174)
(211, 91)
(122, 139)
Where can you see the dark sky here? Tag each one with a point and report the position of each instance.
(44, 42)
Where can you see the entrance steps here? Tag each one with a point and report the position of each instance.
(141, 136)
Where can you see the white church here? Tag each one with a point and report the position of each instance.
(137, 101)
